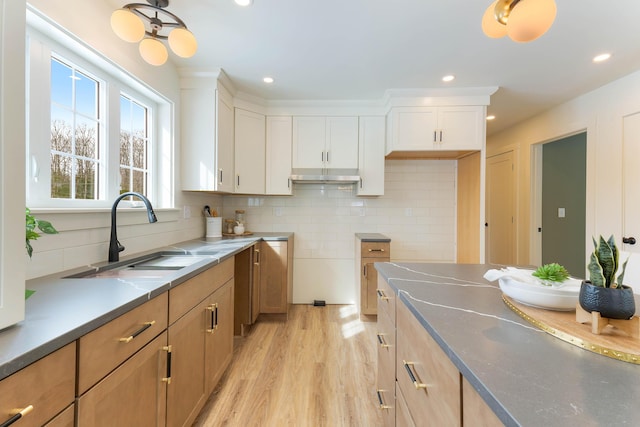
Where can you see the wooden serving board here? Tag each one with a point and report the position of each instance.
(562, 324)
(246, 233)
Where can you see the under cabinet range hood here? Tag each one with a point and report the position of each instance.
(325, 176)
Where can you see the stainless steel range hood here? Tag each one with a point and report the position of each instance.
(325, 176)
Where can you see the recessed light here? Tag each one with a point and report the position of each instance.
(244, 3)
(602, 57)
(491, 117)
(268, 80)
(448, 78)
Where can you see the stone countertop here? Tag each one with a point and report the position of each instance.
(528, 377)
(372, 237)
(63, 309)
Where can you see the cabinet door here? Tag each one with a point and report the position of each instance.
(187, 393)
(341, 148)
(278, 156)
(413, 128)
(429, 381)
(386, 377)
(460, 128)
(48, 385)
(224, 145)
(249, 152)
(475, 411)
(255, 286)
(309, 136)
(198, 140)
(371, 156)
(369, 286)
(219, 334)
(273, 277)
(134, 394)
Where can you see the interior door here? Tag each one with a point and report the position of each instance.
(500, 211)
(631, 202)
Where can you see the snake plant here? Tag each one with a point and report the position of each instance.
(604, 263)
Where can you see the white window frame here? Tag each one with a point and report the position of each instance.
(45, 38)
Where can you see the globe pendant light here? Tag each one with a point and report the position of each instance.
(522, 20)
(136, 20)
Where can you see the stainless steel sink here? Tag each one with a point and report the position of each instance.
(150, 266)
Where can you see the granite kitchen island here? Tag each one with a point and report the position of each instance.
(526, 376)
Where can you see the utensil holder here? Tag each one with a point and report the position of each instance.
(214, 227)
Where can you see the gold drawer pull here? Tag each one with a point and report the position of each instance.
(19, 413)
(381, 341)
(376, 250)
(146, 325)
(407, 366)
(382, 296)
(381, 404)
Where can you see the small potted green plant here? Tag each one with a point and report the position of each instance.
(31, 234)
(604, 292)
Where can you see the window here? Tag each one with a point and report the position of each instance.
(90, 131)
(75, 133)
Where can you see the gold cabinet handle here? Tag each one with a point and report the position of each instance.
(381, 404)
(412, 377)
(17, 414)
(167, 379)
(381, 340)
(376, 250)
(381, 295)
(213, 308)
(145, 326)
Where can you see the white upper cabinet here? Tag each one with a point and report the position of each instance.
(249, 152)
(278, 152)
(371, 156)
(207, 139)
(436, 128)
(325, 142)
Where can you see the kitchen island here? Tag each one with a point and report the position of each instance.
(525, 376)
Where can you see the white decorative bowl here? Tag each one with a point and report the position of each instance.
(533, 293)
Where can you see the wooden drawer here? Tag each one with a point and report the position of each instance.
(101, 351)
(65, 419)
(48, 385)
(433, 398)
(375, 250)
(403, 416)
(187, 295)
(386, 299)
(386, 379)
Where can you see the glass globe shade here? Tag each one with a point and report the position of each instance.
(490, 25)
(153, 51)
(182, 42)
(127, 25)
(530, 19)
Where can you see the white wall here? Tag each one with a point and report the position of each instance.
(417, 213)
(600, 113)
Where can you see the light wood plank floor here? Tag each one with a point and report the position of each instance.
(316, 369)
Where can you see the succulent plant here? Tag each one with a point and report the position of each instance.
(553, 272)
(604, 263)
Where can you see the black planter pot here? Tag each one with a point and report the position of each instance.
(610, 303)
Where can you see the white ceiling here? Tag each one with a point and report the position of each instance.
(357, 49)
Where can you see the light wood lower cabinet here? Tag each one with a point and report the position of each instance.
(368, 253)
(47, 385)
(386, 343)
(276, 276)
(475, 411)
(65, 418)
(219, 335)
(247, 288)
(134, 394)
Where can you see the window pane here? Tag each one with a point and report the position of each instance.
(139, 152)
(125, 180)
(61, 122)
(86, 138)
(139, 183)
(85, 179)
(60, 176)
(86, 95)
(125, 148)
(61, 83)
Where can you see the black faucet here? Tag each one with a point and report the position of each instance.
(114, 246)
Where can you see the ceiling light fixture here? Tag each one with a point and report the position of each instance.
(491, 117)
(602, 57)
(268, 80)
(522, 20)
(244, 3)
(448, 78)
(139, 22)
